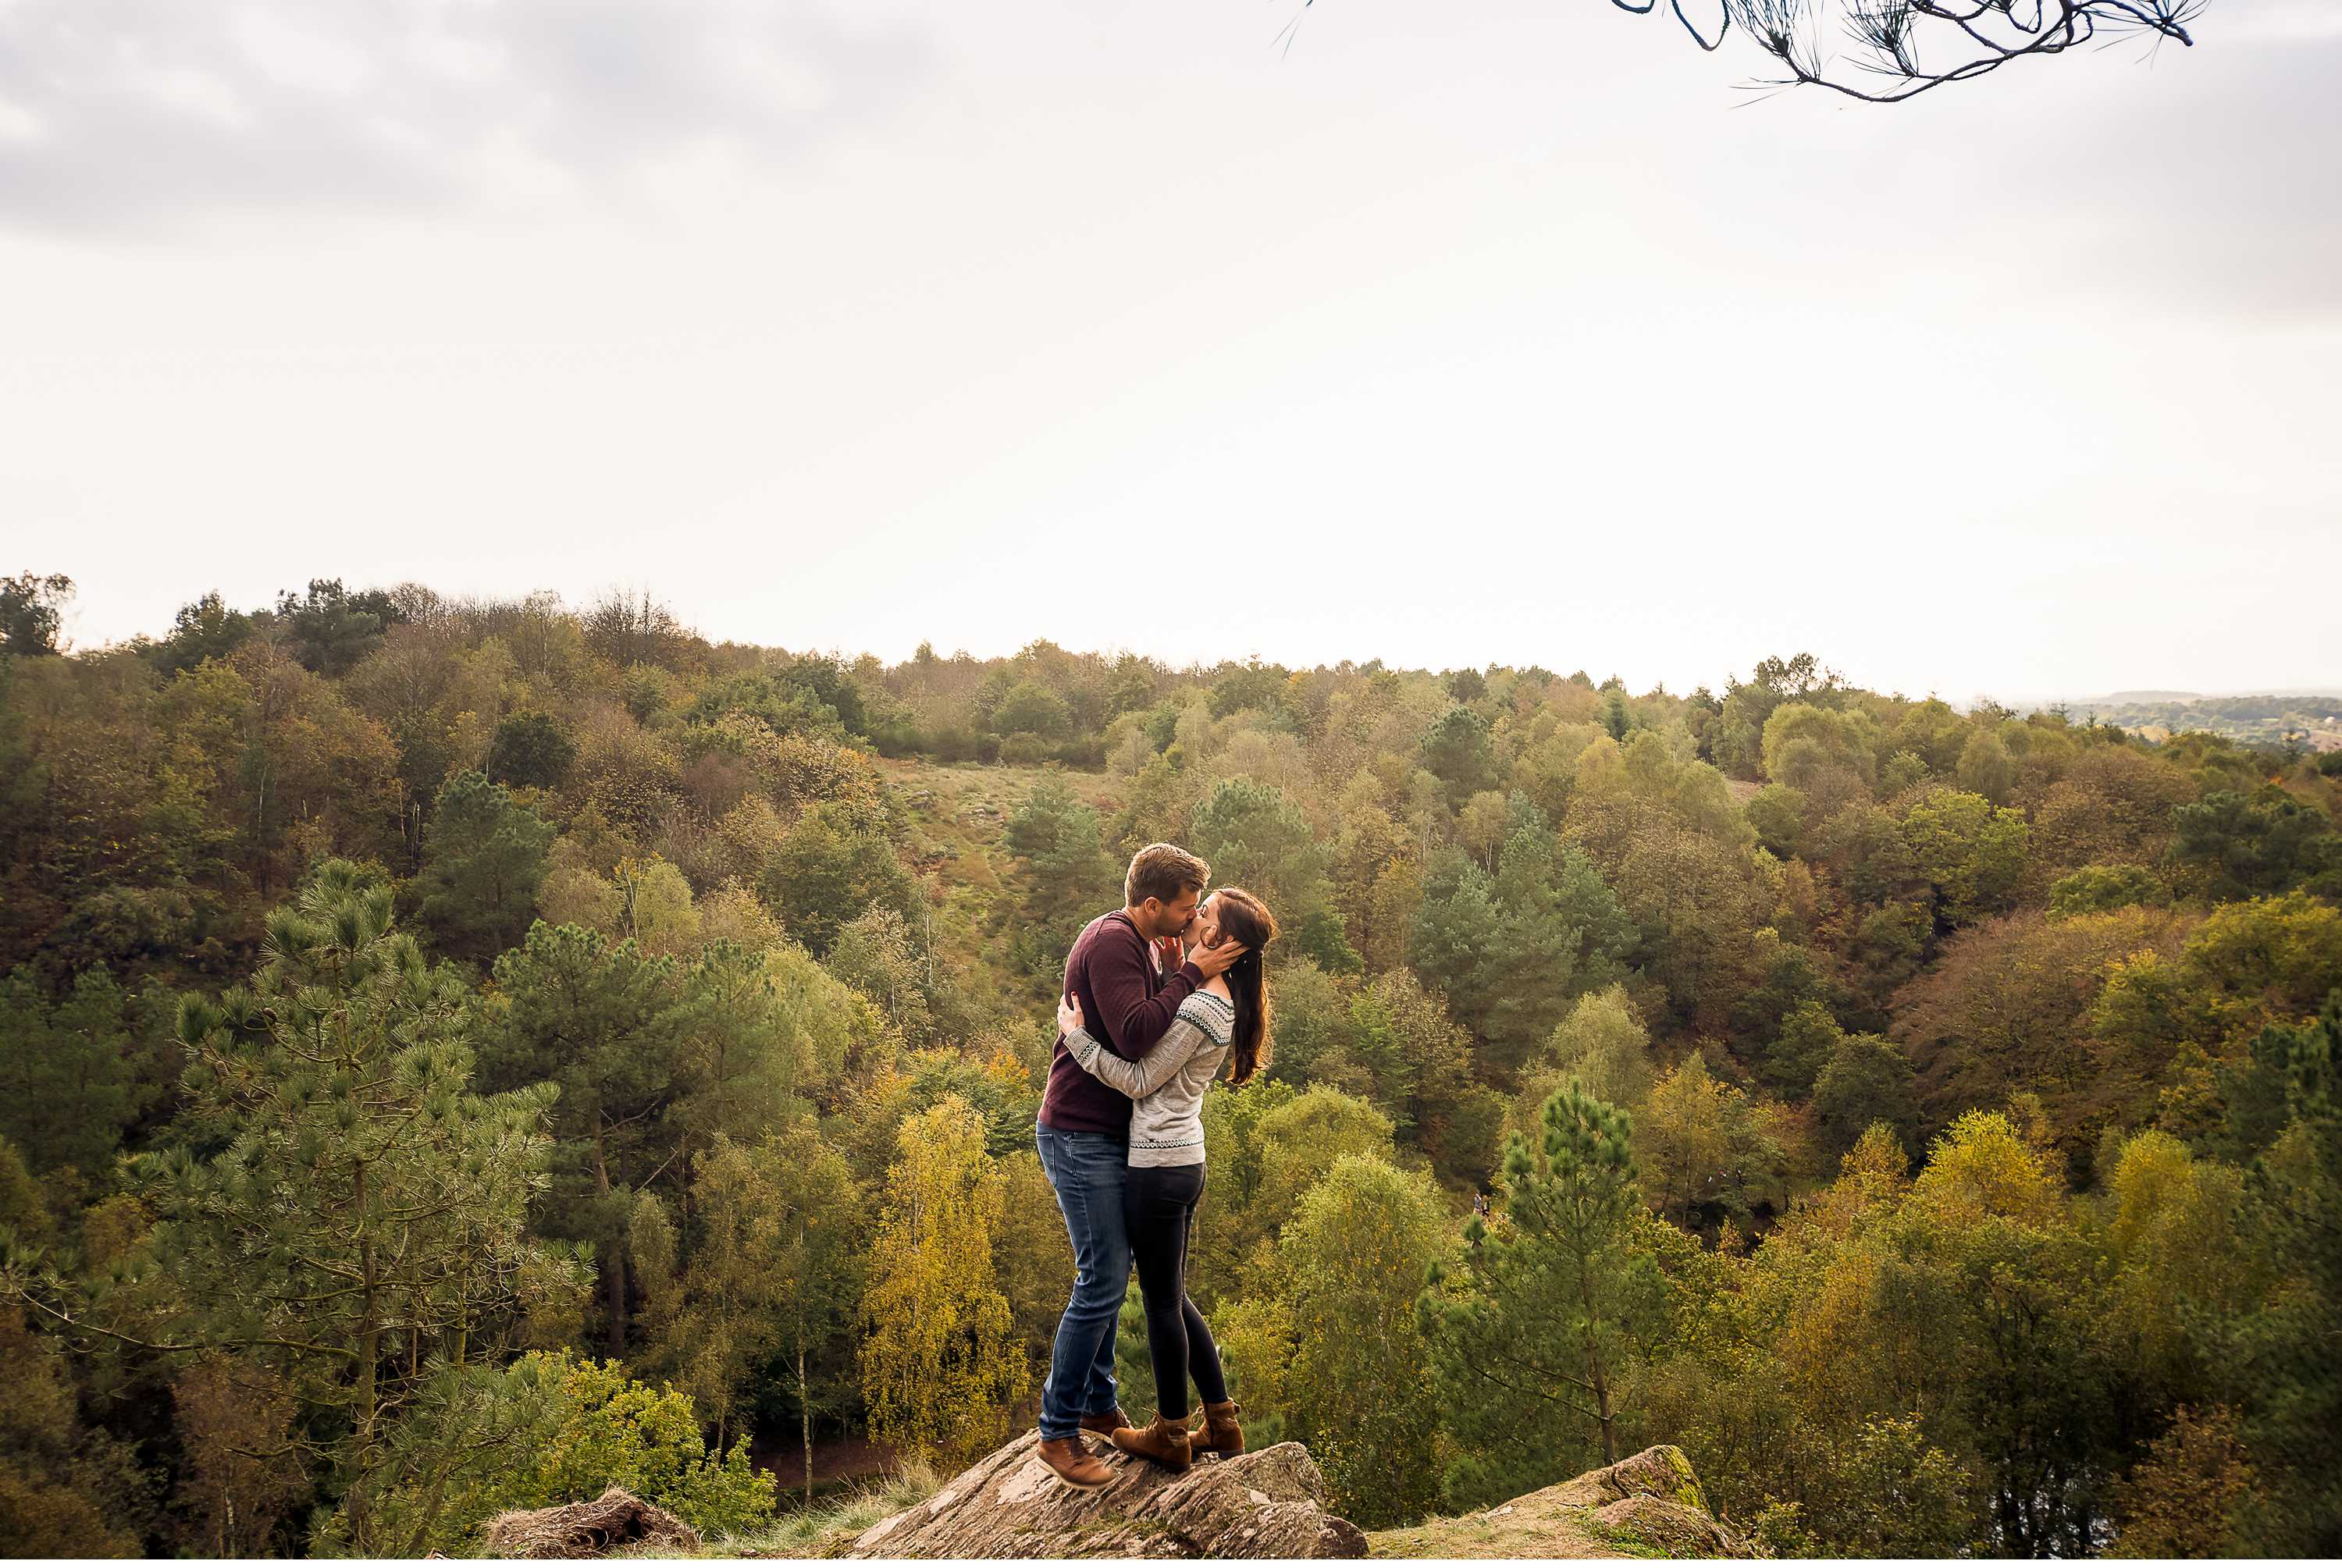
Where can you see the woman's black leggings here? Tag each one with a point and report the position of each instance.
(1159, 1204)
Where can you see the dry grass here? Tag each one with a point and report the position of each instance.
(819, 1531)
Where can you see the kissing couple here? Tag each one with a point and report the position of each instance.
(1121, 1135)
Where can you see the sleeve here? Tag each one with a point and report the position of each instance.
(1135, 1020)
(1140, 1078)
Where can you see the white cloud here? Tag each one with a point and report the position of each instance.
(152, 111)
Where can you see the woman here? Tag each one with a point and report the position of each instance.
(1227, 1020)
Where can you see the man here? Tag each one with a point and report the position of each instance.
(1083, 1135)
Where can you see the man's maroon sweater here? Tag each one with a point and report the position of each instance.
(1126, 1003)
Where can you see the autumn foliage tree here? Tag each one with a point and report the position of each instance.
(942, 1361)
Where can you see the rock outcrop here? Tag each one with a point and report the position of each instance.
(617, 1518)
(1269, 1503)
(1649, 1505)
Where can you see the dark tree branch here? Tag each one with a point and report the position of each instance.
(1897, 58)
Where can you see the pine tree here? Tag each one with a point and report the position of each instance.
(1528, 1332)
(68, 1077)
(362, 1226)
(608, 1025)
(483, 862)
(2278, 1360)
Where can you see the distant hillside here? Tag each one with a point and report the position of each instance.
(2310, 720)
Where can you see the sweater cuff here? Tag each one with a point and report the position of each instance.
(1191, 974)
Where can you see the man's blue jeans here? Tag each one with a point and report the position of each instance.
(1086, 1169)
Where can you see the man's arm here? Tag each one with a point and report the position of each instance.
(1134, 1021)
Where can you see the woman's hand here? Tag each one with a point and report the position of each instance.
(1069, 1014)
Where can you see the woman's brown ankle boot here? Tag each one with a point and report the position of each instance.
(1219, 1433)
(1163, 1441)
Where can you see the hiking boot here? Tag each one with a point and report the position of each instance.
(1076, 1465)
(1219, 1433)
(1106, 1425)
(1163, 1441)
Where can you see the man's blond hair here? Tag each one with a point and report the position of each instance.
(1162, 871)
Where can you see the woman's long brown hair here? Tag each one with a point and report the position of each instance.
(1245, 919)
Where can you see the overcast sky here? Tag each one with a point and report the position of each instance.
(1512, 332)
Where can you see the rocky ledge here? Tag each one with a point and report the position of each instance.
(1269, 1503)
(1651, 1505)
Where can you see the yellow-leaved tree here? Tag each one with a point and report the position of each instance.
(942, 1363)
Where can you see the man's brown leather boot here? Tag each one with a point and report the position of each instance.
(1219, 1433)
(1076, 1465)
(1163, 1441)
(1107, 1424)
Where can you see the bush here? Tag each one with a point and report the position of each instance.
(1024, 749)
(2093, 889)
(551, 1429)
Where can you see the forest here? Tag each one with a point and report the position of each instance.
(459, 1053)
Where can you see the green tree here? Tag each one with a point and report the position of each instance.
(1256, 836)
(32, 611)
(1032, 708)
(1270, 1148)
(330, 629)
(607, 1025)
(1936, 734)
(1866, 1081)
(875, 954)
(1066, 876)
(1986, 768)
(206, 629)
(1971, 851)
(1707, 1152)
(1229, 1253)
(70, 1084)
(2242, 845)
(1461, 755)
(485, 858)
(1357, 1388)
(1614, 717)
(1813, 748)
(830, 866)
(2095, 889)
(1603, 1045)
(1514, 951)
(1315, 1030)
(1421, 1066)
(530, 749)
(1808, 1039)
(783, 706)
(2285, 1386)
(1777, 813)
(1528, 1332)
(361, 1220)
(768, 1282)
(2003, 1309)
